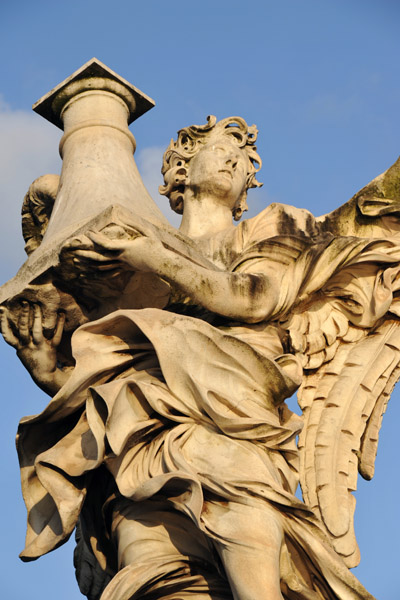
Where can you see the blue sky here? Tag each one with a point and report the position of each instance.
(320, 78)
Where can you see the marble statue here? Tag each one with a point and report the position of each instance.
(169, 354)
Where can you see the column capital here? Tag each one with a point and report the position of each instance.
(93, 75)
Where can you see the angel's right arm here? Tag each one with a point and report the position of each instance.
(248, 296)
(37, 353)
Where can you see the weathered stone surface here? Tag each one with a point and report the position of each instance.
(94, 107)
(169, 355)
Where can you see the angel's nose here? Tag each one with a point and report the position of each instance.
(231, 162)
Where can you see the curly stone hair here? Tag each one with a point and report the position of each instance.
(190, 140)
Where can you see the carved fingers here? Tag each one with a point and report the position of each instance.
(97, 244)
(58, 330)
(36, 350)
(26, 332)
(6, 330)
(111, 246)
(24, 324)
(95, 253)
(18, 334)
(37, 326)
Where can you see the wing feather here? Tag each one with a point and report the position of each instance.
(343, 403)
(348, 380)
(382, 392)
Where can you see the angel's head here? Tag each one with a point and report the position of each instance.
(218, 158)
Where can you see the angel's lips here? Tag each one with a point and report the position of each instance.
(227, 171)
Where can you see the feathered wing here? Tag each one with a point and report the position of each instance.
(348, 336)
(343, 403)
(349, 342)
(374, 211)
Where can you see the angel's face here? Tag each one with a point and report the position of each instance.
(219, 169)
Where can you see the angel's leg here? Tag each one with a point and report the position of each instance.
(248, 539)
(162, 554)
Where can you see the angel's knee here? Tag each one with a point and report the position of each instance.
(249, 540)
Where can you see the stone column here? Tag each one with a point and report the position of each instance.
(94, 107)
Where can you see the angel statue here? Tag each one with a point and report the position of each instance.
(167, 440)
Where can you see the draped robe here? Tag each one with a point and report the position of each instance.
(191, 409)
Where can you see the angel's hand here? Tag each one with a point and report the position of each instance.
(97, 251)
(37, 352)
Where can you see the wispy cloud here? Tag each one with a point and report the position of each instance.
(332, 107)
(28, 149)
(149, 162)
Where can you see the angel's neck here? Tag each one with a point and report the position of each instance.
(204, 217)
